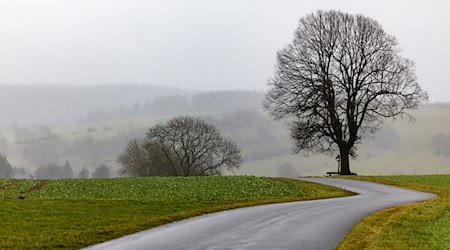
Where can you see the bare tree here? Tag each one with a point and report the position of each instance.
(194, 147)
(143, 158)
(337, 80)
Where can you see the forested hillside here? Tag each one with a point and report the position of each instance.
(97, 136)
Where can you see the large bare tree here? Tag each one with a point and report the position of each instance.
(337, 81)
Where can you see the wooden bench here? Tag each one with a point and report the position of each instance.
(337, 173)
(332, 173)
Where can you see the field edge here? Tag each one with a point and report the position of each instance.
(404, 226)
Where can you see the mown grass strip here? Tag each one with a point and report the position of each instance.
(422, 225)
(78, 213)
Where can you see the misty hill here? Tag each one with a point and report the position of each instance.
(224, 101)
(227, 101)
(401, 147)
(108, 117)
(33, 105)
(28, 105)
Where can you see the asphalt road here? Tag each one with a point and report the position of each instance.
(318, 224)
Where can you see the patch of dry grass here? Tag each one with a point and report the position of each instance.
(422, 225)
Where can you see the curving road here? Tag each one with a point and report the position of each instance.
(318, 224)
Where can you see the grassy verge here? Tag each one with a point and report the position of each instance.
(77, 213)
(423, 225)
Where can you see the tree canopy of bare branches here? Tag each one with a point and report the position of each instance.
(194, 147)
(338, 80)
(183, 146)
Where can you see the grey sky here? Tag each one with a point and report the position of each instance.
(194, 44)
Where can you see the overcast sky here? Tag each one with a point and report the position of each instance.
(208, 45)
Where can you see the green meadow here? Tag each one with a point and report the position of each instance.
(74, 213)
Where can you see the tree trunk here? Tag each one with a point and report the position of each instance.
(345, 161)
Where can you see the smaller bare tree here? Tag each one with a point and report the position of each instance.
(193, 147)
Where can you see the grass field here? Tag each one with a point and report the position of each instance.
(424, 225)
(75, 213)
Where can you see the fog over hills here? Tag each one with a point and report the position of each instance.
(37, 104)
(62, 64)
(201, 44)
(90, 127)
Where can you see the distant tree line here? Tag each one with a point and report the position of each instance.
(54, 171)
(226, 101)
(206, 102)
